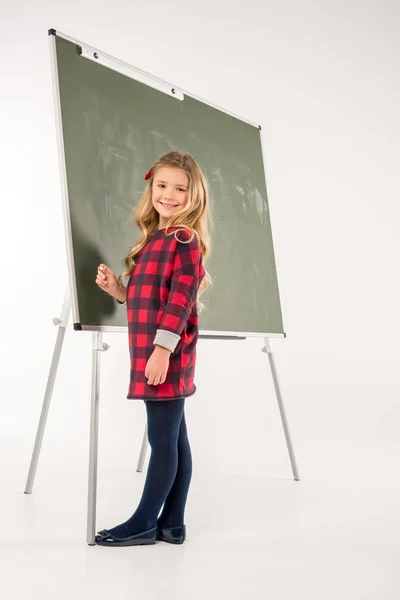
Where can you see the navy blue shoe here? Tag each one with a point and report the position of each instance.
(104, 538)
(172, 535)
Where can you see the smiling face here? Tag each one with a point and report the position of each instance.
(169, 192)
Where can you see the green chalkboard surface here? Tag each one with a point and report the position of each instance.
(112, 127)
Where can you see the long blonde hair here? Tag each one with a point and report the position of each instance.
(195, 216)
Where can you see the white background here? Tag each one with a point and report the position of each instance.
(322, 79)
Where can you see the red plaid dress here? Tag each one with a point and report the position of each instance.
(161, 306)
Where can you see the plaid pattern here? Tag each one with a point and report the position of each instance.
(161, 297)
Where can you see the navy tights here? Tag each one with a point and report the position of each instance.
(169, 473)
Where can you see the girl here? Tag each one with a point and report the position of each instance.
(166, 277)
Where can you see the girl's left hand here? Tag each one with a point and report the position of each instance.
(157, 366)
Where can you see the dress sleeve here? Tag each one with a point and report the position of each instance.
(182, 294)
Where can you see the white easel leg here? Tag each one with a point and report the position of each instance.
(143, 449)
(268, 350)
(62, 323)
(97, 347)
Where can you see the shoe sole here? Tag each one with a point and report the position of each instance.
(130, 543)
(169, 541)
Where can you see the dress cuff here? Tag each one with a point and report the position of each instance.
(166, 339)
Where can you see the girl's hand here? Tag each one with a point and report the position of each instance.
(107, 281)
(157, 366)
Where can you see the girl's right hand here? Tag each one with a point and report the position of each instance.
(107, 281)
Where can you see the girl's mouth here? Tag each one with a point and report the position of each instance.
(168, 205)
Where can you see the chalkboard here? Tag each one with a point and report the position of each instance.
(111, 128)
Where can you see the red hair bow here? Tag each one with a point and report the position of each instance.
(149, 174)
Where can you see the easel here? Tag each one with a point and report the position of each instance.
(97, 347)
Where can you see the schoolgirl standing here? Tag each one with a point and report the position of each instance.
(166, 276)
